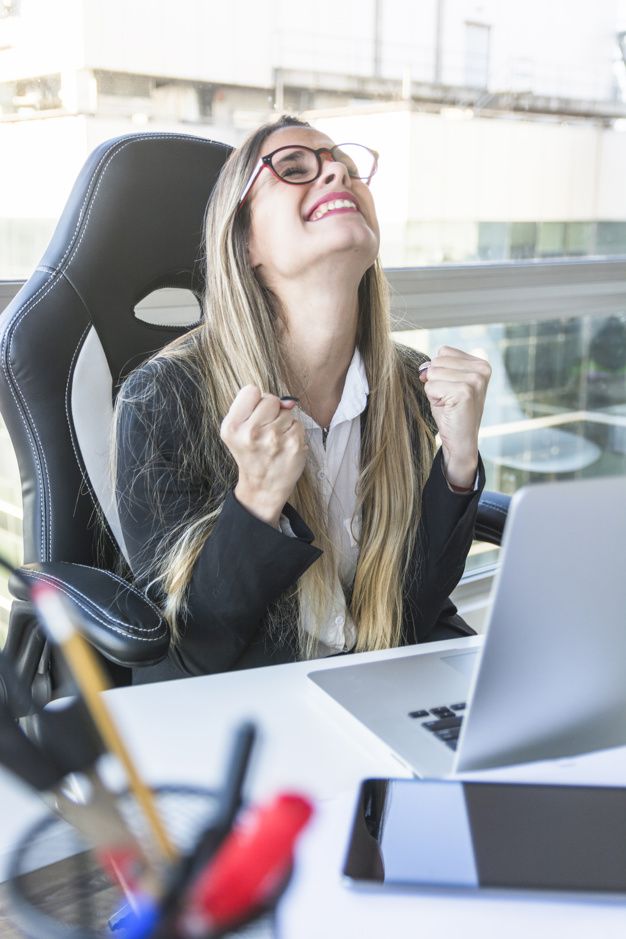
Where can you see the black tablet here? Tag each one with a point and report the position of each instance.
(427, 833)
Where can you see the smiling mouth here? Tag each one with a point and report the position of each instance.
(334, 205)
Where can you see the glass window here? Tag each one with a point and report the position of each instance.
(476, 55)
(556, 406)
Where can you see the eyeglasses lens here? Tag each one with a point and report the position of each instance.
(300, 165)
(295, 164)
(358, 160)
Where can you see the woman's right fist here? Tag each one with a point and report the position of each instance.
(268, 444)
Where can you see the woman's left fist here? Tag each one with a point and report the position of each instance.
(455, 384)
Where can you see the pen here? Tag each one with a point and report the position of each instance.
(58, 623)
(230, 798)
(208, 842)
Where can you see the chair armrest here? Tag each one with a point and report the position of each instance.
(492, 512)
(119, 620)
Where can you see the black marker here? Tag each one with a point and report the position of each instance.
(211, 838)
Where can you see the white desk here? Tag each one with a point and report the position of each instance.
(180, 732)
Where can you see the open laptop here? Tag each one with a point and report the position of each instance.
(550, 678)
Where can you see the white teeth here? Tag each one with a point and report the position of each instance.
(329, 206)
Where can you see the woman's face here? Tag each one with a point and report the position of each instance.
(291, 236)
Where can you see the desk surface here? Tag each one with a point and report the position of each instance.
(180, 732)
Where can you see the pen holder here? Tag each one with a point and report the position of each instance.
(58, 890)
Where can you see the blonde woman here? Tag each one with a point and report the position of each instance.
(277, 481)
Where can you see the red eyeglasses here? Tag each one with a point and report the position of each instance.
(298, 165)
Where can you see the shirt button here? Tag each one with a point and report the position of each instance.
(339, 620)
(321, 475)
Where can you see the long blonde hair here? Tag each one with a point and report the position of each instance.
(238, 344)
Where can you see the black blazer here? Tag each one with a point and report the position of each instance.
(246, 565)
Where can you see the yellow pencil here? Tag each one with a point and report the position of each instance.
(88, 675)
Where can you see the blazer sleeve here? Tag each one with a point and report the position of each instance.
(444, 539)
(244, 564)
(444, 536)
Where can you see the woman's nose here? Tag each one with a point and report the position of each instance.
(334, 170)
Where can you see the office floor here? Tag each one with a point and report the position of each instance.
(56, 890)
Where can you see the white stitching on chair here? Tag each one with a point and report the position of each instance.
(88, 600)
(114, 154)
(13, 385)
(127, 631)
(7, 341)
(125, 584)
(494, 506)
(6, 360)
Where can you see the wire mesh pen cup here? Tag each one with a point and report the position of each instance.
(58, 890)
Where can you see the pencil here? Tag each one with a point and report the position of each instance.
(91, 682)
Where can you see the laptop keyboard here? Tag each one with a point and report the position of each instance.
(447, 724)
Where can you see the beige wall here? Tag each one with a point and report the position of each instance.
(435, 167)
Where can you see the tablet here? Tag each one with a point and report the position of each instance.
(436, 833)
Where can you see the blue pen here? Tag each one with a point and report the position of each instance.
(139, 924)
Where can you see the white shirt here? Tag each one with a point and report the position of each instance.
(337, 467)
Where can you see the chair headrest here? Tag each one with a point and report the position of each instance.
(134, 223)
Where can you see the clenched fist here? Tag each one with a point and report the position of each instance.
(456, 384)
(268, 444)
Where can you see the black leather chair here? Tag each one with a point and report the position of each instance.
(133, 224)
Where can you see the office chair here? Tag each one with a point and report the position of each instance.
(133, 224)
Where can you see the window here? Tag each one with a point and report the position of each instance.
(476, 55)
(555, 335)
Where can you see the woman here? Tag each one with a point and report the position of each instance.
(289, 416)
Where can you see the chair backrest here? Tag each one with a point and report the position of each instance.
(133, 224)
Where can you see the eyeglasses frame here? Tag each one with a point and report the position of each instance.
(266, 161)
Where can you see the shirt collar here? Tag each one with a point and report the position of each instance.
(355, 391)
(354, 396)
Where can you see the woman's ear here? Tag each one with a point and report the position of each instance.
(253, 256)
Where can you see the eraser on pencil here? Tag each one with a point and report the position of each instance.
(51, 607)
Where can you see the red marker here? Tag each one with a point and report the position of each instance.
(249, 867)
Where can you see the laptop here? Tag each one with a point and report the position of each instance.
(549, 679)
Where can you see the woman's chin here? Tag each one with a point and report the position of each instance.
(352, 240)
